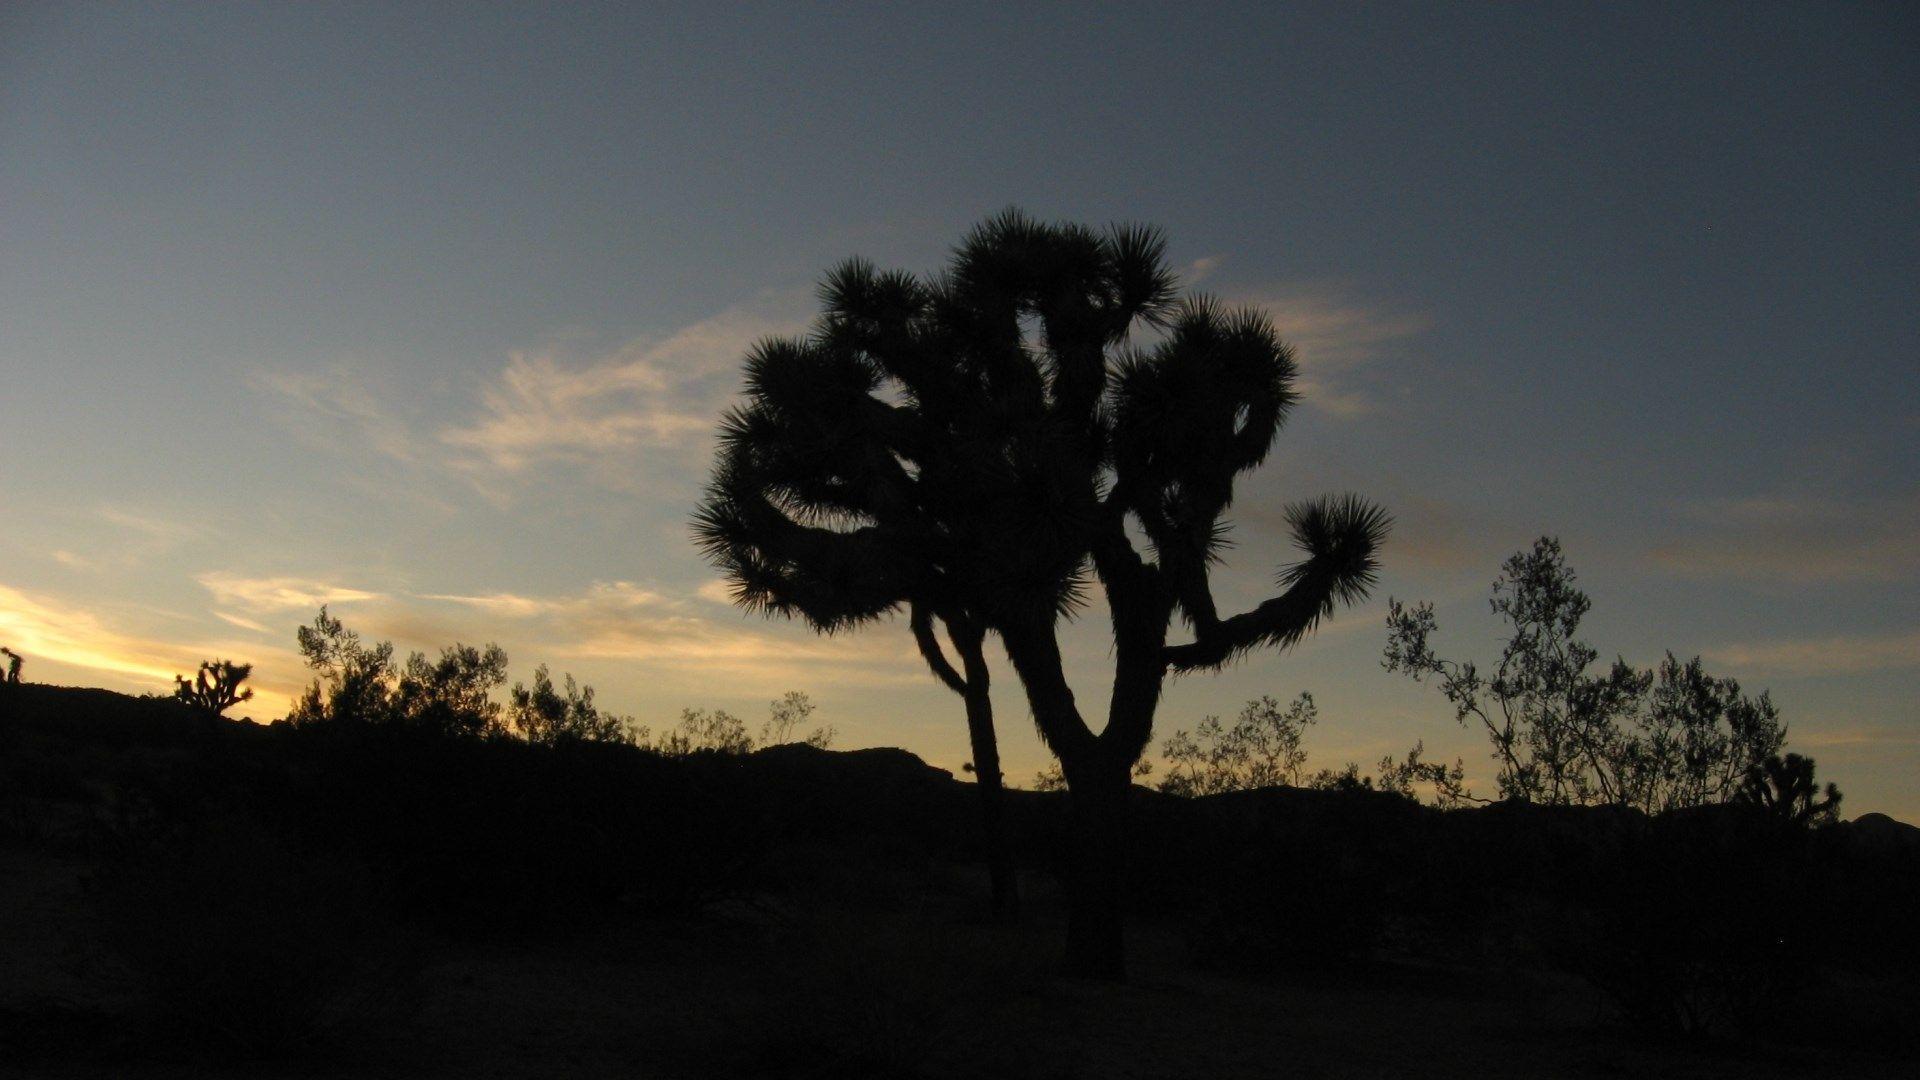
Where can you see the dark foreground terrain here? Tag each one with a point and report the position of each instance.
(182, 896)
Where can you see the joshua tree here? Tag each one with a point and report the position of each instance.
(971, 447)
(215, 687)
(1784, 787)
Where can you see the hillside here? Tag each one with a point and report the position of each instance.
(186, 893)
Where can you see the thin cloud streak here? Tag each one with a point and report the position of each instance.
(1334, 337)
(631, 623)
(1838, 655)
(1798, 540)
(665, 393)
(278, 593)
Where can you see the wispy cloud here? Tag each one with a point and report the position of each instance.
(242, 623)
(655, 393)
(266, 594)
(47, 628)
(649, 628)
(1201, 269)
(346, 405)
(1839, 655)
(1855, 737)
(1798, 539)
(116, 537)
(1335, 336)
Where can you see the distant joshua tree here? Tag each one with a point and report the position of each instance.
(1784, 787)
(979, 447)
(215, 687)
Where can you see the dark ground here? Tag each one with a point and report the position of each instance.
(850, 952)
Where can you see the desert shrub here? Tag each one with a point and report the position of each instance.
(1262, 748)
(785, 719)
(1271, 881)
(505, 839)
(700, 730)
(548, 716)
(235, 945)
(1711, 922)
(1568, 733)
(358, 685)
(717, 731)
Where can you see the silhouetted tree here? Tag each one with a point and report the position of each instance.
(1785, 788)
(1261, 749)
(354, 682)
(977, 444)
(215, 687)
(1657, 740)
(13, 665)
(546, 715)
(1265, 747)
(359, 686)
(454, 694)
(717, 731)
(787, 716)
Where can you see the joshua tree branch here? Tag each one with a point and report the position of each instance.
(921, 619)
(1034, 650)
(1280, 622)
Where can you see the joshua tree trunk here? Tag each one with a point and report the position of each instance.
(986, 770)
(1096, 880)
(973, 684)
(1099, 773)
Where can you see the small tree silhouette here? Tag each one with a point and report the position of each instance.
(715, 731)
(546, 715)
(1785, 788)
(787, 716)
(1567, 733)
(13, 665)
(357, 685)
(215, 687)
(1261, 749)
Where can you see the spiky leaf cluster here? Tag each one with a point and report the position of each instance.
(978, 440)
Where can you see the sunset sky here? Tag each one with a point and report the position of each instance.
(427, 313)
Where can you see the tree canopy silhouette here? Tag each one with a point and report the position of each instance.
(1564, 732)
(976, 446)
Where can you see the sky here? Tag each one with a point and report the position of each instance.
(426, 313)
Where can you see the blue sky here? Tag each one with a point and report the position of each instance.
(427, 312)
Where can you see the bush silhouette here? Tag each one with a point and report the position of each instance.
(546, 716)
(1659, 740)
(1261, 749)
